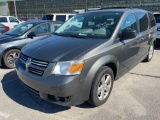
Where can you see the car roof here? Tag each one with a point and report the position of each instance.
(6, 16)
(59, 14)
(121, 9)
(156, 13)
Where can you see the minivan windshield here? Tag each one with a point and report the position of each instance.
(94, 25)
(157, 17)
(20, 29)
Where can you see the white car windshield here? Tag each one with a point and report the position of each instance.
(94, 25)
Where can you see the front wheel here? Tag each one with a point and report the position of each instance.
(150, 54)
(102, 86)
(10, 57)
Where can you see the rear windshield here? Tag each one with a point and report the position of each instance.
(3, 19)
(157, 17)
(47, 17)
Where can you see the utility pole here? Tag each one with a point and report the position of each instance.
(86, 6)
(15, 8)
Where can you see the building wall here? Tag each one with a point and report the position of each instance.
(4, 8)
(36, 8)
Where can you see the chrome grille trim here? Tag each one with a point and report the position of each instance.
(39, 63)
(35, 71)
(36, 67)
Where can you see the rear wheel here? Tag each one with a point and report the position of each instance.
(101, 87)
(150, 54)
(10, 57)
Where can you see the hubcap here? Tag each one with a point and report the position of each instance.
(104, 87)
(12, 58)
(151, 50)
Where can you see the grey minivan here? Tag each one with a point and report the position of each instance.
(86, 55)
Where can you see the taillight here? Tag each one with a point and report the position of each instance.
(7, 28)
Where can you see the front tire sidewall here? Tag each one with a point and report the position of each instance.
(148, 59)
(5, 57)
(94, 100)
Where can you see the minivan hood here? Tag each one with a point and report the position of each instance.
(58, 48)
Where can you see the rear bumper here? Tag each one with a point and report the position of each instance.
(52, 88)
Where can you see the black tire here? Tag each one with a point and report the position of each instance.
(149, 56)
(94, 95)
(10, 57)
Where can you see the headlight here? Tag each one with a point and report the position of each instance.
(69, 67)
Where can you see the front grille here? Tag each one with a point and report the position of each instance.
(35, 71)
(35, 66)
(39, 63)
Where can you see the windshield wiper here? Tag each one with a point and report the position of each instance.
(71, 35)
(59, 34)
(78, 36)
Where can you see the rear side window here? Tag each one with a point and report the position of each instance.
(47, 17)
(70, 16)
(143, 21)
(42, 29)
(157, 17)
(3, 19)
(152, 19)
(61, 18)
(12, 19)
(129, 23)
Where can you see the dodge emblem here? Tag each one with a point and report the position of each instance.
(27, 64)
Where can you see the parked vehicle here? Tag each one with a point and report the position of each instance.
(58, 17)
(3, 28)
(12, 41)
(157, 17)
(86, 54)
(23, 19)
(9, 21)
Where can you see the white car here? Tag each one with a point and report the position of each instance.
(58, 16)
(9, 21)
(157, 17)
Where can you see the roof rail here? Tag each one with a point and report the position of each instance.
(118, 8)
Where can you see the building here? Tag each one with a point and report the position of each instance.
(36, 8)
(4, 8)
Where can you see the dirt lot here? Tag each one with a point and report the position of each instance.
(135, 96)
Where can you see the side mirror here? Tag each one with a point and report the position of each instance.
(128, 34)
(31, 35)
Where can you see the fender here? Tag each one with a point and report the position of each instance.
(103, 61)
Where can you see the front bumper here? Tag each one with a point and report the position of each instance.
(52, 86)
